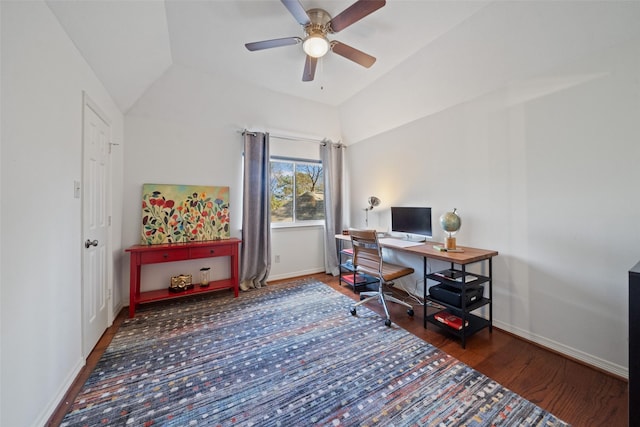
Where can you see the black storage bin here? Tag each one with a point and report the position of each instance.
(452, 295)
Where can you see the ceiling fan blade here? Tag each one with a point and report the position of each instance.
(268, 44)
(309, 69)
(298, 12)
(354, 13)
(353, 54)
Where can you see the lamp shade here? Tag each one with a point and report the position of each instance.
(373, 202)
(316, 45)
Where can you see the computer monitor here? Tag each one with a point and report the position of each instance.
(411, 220)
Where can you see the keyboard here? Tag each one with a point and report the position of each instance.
(399, 243)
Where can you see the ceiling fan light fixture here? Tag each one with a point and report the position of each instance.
(316, 45)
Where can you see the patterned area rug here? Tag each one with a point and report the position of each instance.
(285, 355)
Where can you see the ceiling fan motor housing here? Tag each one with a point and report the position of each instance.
(320, 20)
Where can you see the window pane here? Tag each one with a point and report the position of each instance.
(281, 187)
(309, 192)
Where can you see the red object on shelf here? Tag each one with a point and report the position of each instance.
(152, 254)
(359, 279)
(450, 320)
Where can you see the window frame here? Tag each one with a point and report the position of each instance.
(295, 223)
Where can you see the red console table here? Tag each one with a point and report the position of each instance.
(152, 254)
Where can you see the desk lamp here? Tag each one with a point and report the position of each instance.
(373, 202)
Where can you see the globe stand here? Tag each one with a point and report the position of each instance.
(450, 243)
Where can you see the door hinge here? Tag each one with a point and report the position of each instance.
(109, 221)
(111, 144)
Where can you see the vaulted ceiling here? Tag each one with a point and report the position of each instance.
(130, 44)
(430, 53)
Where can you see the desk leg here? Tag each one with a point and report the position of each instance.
(134, 283)
(424, 292)
(490, 295)
(463, 306)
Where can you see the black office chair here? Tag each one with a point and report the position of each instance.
(367, 259)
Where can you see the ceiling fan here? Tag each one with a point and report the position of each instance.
(317, 23)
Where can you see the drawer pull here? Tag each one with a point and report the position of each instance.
(212, 251)
(165, 255)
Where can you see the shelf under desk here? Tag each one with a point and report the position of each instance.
(463, 259)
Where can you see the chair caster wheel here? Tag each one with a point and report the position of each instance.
(353, 311)
(410, 312)
(387, 322)
(362, 297)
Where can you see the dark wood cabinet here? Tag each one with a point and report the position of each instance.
(634, 345)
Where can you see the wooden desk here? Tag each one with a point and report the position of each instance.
(152, 254)
(462, 259)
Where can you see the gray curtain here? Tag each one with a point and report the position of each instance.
(256, 214)
(331, 156)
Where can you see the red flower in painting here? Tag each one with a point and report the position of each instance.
(144, 204)
(169, 203)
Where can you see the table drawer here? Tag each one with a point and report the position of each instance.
(164, 256)
(211, 251)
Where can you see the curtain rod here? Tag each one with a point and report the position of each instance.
(291, 138)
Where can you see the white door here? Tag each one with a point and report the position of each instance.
(95, 225)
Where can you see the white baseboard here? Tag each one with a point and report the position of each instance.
(295, 274)
(588, 359)
(116, 311)
(47, 412)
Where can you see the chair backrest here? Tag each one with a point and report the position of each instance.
(367, 254)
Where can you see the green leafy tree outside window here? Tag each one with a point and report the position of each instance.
(297, 191)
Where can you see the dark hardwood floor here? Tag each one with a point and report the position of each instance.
(576, 393)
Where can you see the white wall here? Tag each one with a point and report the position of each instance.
(184, 130)
(544, 170)
(43, 78)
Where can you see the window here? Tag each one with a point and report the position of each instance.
(297, 190)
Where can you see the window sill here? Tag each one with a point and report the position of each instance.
(279, 225)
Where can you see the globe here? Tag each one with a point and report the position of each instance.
(450, 222)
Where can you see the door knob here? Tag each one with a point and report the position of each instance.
(90, 243)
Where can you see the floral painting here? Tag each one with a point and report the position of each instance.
(184, 213)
